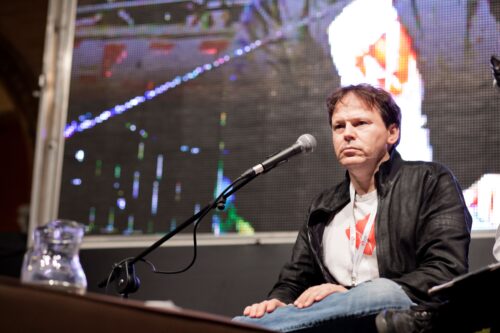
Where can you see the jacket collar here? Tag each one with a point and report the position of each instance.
(336, 198)
(387, 172)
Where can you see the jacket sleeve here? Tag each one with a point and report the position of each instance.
(299, 273)
(443, 235)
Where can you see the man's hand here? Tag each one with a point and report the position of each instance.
(308, 297)
(317, 293)
(257, 310)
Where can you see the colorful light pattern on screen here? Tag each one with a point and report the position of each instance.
(379, 42)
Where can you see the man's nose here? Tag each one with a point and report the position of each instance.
(349, 132)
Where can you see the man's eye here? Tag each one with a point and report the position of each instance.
(338, 126)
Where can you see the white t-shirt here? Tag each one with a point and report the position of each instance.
(338, 251)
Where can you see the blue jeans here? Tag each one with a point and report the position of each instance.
(368, 298)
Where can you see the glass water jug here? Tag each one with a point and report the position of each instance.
(53, 261)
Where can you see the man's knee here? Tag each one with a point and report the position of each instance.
(381, 293)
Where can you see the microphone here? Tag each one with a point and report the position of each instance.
(495, 69)
(305, 143)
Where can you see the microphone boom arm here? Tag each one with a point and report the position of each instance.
(124, 271)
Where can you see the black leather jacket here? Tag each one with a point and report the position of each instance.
(422, 231)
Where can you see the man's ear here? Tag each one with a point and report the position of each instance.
(393, 134)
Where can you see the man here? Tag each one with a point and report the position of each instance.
(379, 239)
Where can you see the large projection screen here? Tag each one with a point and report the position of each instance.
(170, 101)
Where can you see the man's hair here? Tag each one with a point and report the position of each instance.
(372, 97)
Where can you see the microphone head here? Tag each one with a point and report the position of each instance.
(307, 142)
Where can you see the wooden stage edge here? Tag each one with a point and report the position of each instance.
(27, 308)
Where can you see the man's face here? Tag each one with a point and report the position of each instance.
(360, 137)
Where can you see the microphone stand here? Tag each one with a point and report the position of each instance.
(123, 273)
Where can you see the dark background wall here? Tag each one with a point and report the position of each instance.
(22, 32)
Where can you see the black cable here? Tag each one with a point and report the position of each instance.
(109, 278)
(195, 251)
(196, 224)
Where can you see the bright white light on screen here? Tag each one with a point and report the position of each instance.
(80, 155)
